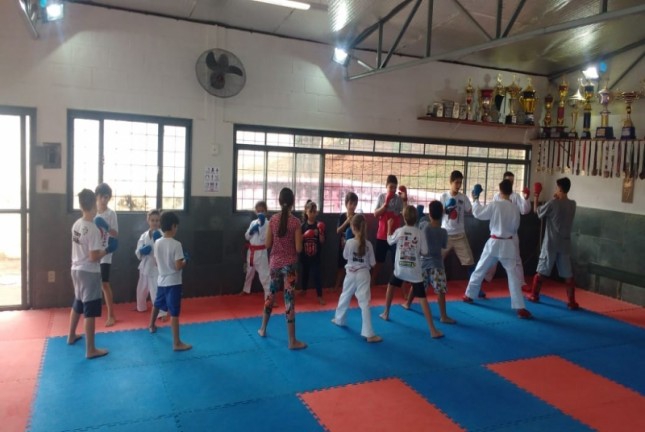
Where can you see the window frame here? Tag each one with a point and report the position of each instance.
(101, 117)
(466, 159)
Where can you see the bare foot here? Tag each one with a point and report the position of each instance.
(153, 329)
(71, 340)
(96, 353)
(374, 339)
(243, 293)
(448, 320)
(297, 345)
(181, 347)
(262, 333)
(110, 322)
(405, 305)
(333, 320)
(384, 316)
(436, 334)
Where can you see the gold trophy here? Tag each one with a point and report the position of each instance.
(485, 98)
(605, 131)
(586, 117)
(547, 131)
(629, 131)
(575, 102)
(513, 90)
(500, 92)
(563, 91)
(527, 99)
(470, 115)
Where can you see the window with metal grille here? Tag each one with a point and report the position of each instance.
(144, 159)
(325, 166)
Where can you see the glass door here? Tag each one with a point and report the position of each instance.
(16, 134)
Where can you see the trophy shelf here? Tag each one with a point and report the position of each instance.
(475, 123)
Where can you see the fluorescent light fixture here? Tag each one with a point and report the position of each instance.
(52, 10)
(341, 56)
(287, 3)
(591, 73)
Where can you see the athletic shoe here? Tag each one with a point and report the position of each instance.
(524, 314)
(467, 299)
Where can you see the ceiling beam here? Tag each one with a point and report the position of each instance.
(459, 53)
(474, 21)
(371, 29)
(500, 7)
(408, 20)
(518, 9)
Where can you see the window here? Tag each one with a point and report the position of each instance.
(144, 159)
(324, 166)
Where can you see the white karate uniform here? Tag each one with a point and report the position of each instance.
(525, 208)
(257, 259)
(148, 273)
(504, 219)
(109, 216)
(357, 282)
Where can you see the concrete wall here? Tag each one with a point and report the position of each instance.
(99, 59)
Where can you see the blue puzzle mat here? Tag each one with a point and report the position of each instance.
(234, 380)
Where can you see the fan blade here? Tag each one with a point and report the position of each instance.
(235, 70)
(217, 81)
(211, 62)
(223, 62)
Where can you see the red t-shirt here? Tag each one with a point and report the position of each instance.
(283, 250)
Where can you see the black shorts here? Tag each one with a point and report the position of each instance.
(105, 272)
(418, 288)
(381, 251)
(90, 309)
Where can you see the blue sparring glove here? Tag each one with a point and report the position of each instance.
(451, 208)
(156, 235)
(145, 250)
(477, 190)
(420, 209)
(262, 218)
(349, 234)
(254, 229)
(113, 244)
(102, 223)
(186, 256)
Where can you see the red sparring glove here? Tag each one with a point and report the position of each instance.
(537, 188)
(321, 227)
(526, 192)
(388, 198)
(403, 193)
(309, 234)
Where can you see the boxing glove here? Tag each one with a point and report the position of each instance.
(321, 227)
(186, 256)
(420, 209)
(254, 229)
(113, 244)
(388, 198)
(403, 193)
(451, 208)
(102, 224)
(477, 190)
(309, 234)
(262, 218)
(526, 192)
(349, 234)
(537, 188)
(156, 235)
(145, 250)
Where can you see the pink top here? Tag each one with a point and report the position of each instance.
(283, 250)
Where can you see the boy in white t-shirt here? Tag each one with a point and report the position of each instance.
(107, 222)
(410, 245)
(87, 250)
(148, 272)
(171, 260)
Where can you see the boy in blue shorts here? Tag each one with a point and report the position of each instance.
(170, 261)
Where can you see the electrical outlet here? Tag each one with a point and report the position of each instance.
(51, 276)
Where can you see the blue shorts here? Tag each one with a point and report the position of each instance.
(169, 299)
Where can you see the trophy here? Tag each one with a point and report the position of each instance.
(547, 131)
(485, 98)
(563, 91)
(514, 91)
(527, 99)
(604, 131)
(629, 131)
(586, 117)
(574, 102)
(500, 92)
(470, 115)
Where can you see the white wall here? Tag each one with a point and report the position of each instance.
(98, 59)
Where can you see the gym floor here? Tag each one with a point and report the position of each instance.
(563, 370)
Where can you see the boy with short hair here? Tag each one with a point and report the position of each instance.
(107, 222)
(257, 258)
(388, 207)
(148, 272)
(87, 250)
(556, 247)
(170, 261)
